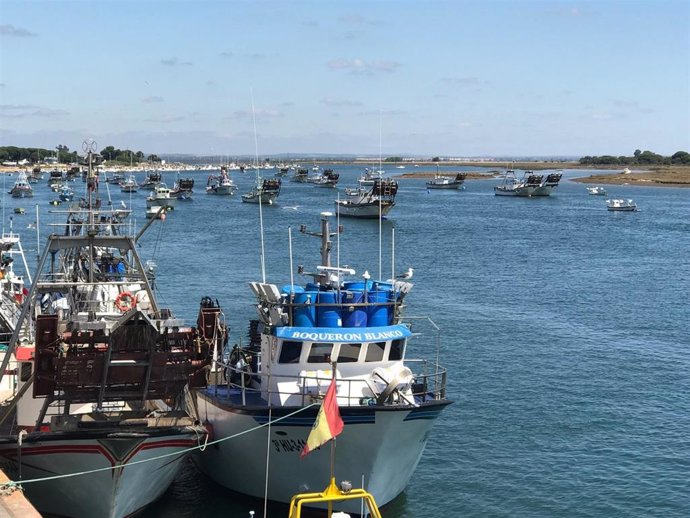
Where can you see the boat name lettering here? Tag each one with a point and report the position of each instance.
(347, 337)
(288, 445)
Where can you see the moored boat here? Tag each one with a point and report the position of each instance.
(547, 186)
(596, 191)
(161, 197)
(221, 184)
(130, 184)
(621, 205)
(266, 191)
(103, 358)
(328, 178)
(369, 203)
(446, 182)
(388, 402)
(152, 180)
(22, 187)
(512, 186)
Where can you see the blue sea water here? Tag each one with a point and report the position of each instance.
(564, 331)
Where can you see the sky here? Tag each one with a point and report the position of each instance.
(421, 78)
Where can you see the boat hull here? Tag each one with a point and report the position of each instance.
(116, 493)
(382, 444)
(456, 185)
(544, 190)
(524, 192)
(363, 210)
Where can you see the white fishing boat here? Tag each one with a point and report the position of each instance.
(266, 191)
(183, 189)
(367, 178)
(221, 184)
(130, 184)
(446, 182)
(301, 176)
(328, 178)
(369, 203)
(92, 438)
(621, 205)
(13, 291)
(161, 197)
(65, 193)
(596, 191)
(153, 179)
(22, 187)
(512, 186)
(547, 186)
(388, 402)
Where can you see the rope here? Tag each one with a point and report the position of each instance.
(13, 483)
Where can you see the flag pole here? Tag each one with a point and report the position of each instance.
(330, 503)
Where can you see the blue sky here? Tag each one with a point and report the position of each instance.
(482, 78)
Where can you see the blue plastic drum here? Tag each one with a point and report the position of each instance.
(305, 316)
(328, 315)
(358, 316)
(378, 312)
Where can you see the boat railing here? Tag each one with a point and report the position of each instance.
(421, 381)
(291, 312)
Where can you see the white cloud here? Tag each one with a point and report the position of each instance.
(175, 62)
(15, 32)
(360, 66)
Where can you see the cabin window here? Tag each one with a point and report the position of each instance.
(375, 351)
(290, 352)
(320, 353)
(25, 373)
(396, 352)
(349, 353)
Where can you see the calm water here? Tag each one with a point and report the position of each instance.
(565, 333)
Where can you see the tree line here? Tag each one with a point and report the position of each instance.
(35, 155)
(639, 158)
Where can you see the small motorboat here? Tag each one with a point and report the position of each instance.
(621, 205)
(446, 182)
(596, 191)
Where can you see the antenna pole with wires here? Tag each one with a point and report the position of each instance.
(258, 187)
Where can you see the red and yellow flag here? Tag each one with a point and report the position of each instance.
(328, 423)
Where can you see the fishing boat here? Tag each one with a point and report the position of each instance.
(55, 177)
(183, 189)
(130, 184)
(388, 403)
(161, 197)
(328, 178)
(369, 203)
(266, 191)
(65, 193)
(367, 177)
(621, 205)
(547, 186)
(115, 179)
(596, 191)
(301, 176)
(512, 186)
(12, 294)
(152, 180)
(88, 432)
(446, 182)
(221, 184)
(22, 187)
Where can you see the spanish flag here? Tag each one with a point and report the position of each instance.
(328, 423)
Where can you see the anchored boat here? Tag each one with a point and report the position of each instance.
(547, 186)
(97, 415)
(387, 401)
(266, 191)
(369, 203)
(221, 184)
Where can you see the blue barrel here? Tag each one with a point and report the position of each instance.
(358, 285)
(378, 312)
(328, 316)
(358, 316)
(291, 288)
(305, 316)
